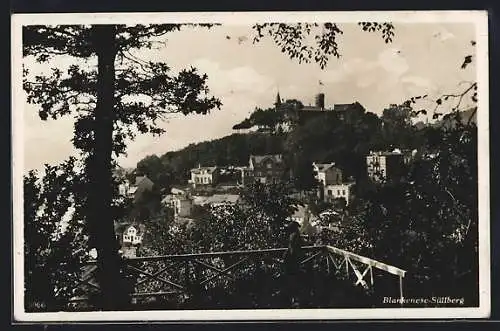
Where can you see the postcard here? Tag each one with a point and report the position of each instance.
(250, 166)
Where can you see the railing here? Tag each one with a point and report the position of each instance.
(194, 276)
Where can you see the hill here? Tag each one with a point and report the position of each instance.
(173, 167)
(322, 139)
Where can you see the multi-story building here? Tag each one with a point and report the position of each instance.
(180, 202)
(204, 176)
(267, 168)
(327, 173)
(297, 113)
(385, 166)
(339, 191)
(131, 234)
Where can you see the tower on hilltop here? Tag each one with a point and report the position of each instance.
(277, 103)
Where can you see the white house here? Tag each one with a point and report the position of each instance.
(204, 175)
(132, 235)
(336, 191)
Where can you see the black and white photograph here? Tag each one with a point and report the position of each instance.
(250, 166)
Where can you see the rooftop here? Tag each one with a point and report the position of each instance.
(346, 106)
(139, 179)
(257, 159)
(222, 198)
(385, 153)
(207, 169)
(324, 166)
(120, 228)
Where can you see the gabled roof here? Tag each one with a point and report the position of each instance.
(258, 159)
(132, 189)
(200, 169)
(120, 228)
(171, 197)
(177, 191)
(140, 179)
(386, 153)
(324, 166)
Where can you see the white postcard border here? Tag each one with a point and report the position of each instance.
(479, 18)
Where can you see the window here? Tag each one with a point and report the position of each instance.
(343, 192)
(329, 192)
(338, 192)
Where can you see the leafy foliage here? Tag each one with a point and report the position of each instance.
(54, 250)
(308, 42)
(268, 118)
(111, 102)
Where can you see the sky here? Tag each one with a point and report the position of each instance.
(423, 58)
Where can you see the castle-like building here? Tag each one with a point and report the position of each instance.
(295, 112)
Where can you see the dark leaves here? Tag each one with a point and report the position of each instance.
(298, 41)
(467, 60)
(50, 251)
(306, 42)
(45, 42)
(386, 29)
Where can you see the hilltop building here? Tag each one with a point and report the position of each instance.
(297, 113)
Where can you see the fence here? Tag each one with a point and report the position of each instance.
(177, 279)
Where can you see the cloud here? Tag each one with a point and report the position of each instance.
(365, 73)
(240, 90)
(393, 61)
(417, 81)
(243, 79)
(443, 35)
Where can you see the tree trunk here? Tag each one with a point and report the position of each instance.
(102, 234)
